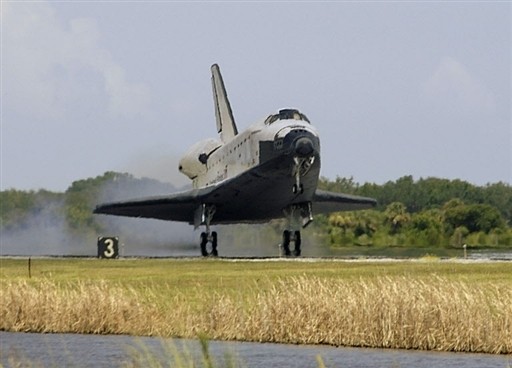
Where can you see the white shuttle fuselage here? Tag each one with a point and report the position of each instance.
(227, 160)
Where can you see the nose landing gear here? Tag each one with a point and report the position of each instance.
(300, 168)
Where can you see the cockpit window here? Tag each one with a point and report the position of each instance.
(286, 114)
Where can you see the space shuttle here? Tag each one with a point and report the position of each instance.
(268, 171)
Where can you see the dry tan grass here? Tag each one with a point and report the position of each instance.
(393, 312)
(96, 308)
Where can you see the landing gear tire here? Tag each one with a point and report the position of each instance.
(286, 243)
(288, 237)
(204, 241)
(204, 245)
(214, 245)
(297, 251)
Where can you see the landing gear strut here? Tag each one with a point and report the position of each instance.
(300, 168)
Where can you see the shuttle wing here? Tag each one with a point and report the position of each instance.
(327, 202)
(182, 206)
(174, 207)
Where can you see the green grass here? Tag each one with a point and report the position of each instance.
(218, 275)
(195, 279)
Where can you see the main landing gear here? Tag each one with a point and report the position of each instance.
(203, 216)
(298, 216)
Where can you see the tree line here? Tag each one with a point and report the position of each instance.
(430, 211)
(424, 212)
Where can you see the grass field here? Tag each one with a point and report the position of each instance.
(423, 304)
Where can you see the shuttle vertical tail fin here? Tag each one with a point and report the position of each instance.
(225, 122)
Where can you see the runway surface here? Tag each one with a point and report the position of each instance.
(502, 257)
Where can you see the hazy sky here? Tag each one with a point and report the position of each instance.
(394, 88)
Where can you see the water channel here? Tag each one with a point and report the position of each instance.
(62, 350)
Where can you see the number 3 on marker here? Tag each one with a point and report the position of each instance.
(109, 248)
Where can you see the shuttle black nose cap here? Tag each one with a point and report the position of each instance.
(304, 147)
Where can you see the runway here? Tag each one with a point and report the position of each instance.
(502, 257)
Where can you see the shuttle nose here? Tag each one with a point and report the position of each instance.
(304, 147)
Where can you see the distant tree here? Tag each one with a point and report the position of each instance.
(17, 207)
(83, 195)
(474, 217)
(499, 195)
(430, 219)
(428, 211)
(14, 205)
(397, 216)
(427, 228)
(342, 220)
(339, 185)
(458, 237)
